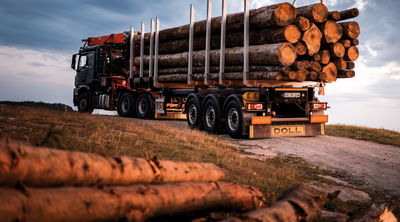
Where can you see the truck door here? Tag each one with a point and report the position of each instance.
(85, 69)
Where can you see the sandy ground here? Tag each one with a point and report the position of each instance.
(362, 163)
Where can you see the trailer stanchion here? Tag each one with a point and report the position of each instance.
(208, 36)
(141, 49)
(132, 48)
(151, 48)
(222, 50)
(190, 55)
(246, 43)
(156, 83)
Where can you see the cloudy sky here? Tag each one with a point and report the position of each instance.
(38, 37)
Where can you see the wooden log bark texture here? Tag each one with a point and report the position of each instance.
(124, 203)
(35, 166)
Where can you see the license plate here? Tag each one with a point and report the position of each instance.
(288, 130)
(291, 95)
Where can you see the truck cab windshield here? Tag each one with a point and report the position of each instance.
(83, 62)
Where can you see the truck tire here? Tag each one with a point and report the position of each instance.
(211, 116)
(234, 118)
(85, 104)
(193, 113)
(143, 107)
(126, 105)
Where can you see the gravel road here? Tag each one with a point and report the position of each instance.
(362, 163)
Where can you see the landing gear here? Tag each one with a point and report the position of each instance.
(85, 104)
(126, 105)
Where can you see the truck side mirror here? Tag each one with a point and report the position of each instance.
(73, 62)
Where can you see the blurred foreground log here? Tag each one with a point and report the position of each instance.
(124, 203)
(34, 166)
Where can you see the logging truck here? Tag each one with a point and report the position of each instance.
(241, 93)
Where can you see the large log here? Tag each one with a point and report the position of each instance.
(301, 49)
(299, 204)
(35, 166)
(312, 39)
(124, 203)
(269, 16)
(349, 13)
(215, 69)
(330, 71)
(267, 54)
(334, 15)
(351, 30)
(352, 53)
(337, 50)
(182, 78)
(288, 33)
(325, 57)
(332, 31)
(316, 13)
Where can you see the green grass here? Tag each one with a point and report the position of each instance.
(382, 136)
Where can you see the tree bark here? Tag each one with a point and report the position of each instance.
(351, 30)
(349, 13)
(267, 54)
(332, 31)
(269, 16)
(303, 23)
(288, 33)
(34, 166)
(334, 15)
(182, 77)
(312, 39)
(346, 74)
(124, 203)
(337, 50)
(215, 69)
(330, 71)
(352, 53)
(300, 204)
(317, 13)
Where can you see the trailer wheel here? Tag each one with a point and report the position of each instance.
(84, 103)
(233, 123)
(126, 105)
(211, 116)
(193, 113)
(143, 107)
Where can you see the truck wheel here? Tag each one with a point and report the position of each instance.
(143, 107)
(126, 105)
(84, 103)
(233, 123)
(211, 116)
(193, 113)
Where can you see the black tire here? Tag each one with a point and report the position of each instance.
(144, 108)
(193, 113)
(85, 104)
(233, 119)
(126, 105)
(211, 116)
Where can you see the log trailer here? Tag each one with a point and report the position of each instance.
(106, 78)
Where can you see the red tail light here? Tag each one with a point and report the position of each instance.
(255, 106)
(320, 106)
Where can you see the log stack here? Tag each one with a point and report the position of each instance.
(308, 43)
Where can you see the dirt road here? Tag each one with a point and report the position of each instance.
(365, 164)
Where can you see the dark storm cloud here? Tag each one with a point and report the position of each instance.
(60, 25)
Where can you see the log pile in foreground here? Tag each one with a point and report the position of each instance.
(41, 184)
(308, 43)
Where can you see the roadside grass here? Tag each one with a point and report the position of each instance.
(113, 137)
(382, 136)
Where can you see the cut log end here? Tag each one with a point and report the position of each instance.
(292, 33)
(285, 14)
(338, 50)
(351, 29)
(330, 71)
(334, 15)
(300, 48)
(312, 39)
(303, 23)
(332, 31)
(352, 53)
(287, 54)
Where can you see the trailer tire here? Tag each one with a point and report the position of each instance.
(193, 113)
(126, 105)
(233, 121)
(143, 107)
(85, 104)
(211, 116)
